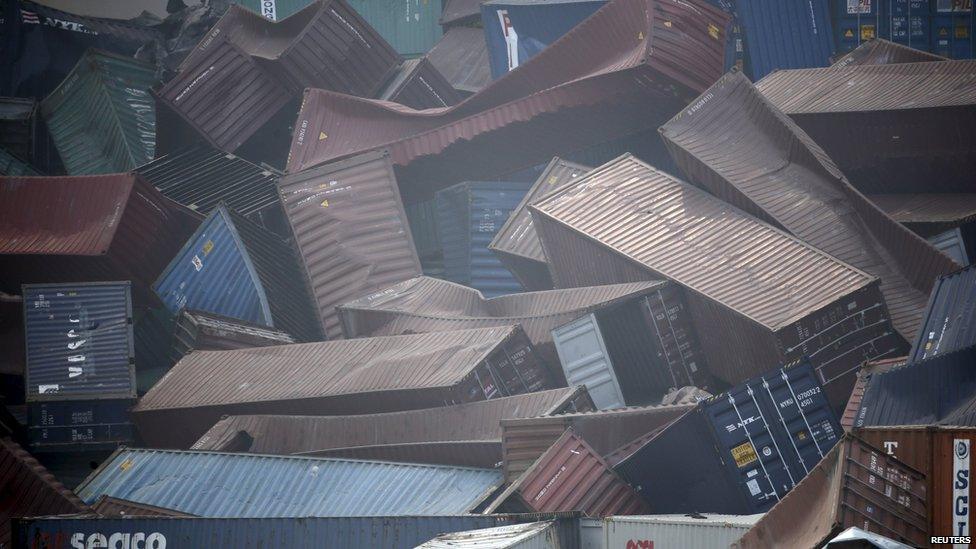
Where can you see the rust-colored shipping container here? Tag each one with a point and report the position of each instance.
(419, 85)
(524, 440)
(884, 52)
(355, 376)
(203, 331)
(760, 299)
(88, 229)
(351, 229)
(856, 484)
(944, 454)
(517, 244)
(291, 434)
(570, 476)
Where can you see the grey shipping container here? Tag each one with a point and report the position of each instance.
(198, 330)
(532, 535)
(82, 425)
(284, 533)
(949, 323)
(419, 85)
(79, 341)
(741, 451)
(694, 531)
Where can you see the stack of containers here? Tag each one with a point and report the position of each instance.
(942, 27)
(80, 378)
(469, 215)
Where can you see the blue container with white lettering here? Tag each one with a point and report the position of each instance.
(741, 451)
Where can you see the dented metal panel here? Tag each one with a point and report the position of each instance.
(203, 331)
(533, 535)
(351, 231)
(242, 485)
(884, 52)
(585, 361)
(372, 375)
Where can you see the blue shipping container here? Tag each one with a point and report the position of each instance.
(78, 425)
(469, 215)
(854, 22)
(741, 451)
(952, 35)
(517, 30)
(785, 35)
(79, 341)
(279, 533)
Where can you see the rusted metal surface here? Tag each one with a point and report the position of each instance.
(928, 214)
(849, 417)
(371, 375)
(267, 434)
(855, 485)
(419, 85)
(884, 52)
(262, 64)
(749, 308)
(517, 244)
(29, 490)
(595, 84)
(932, 450)
(524, 440)
(203, 331)
(463, 453)
(887, 127)
(570, 476)
(351, 230)
(88, 228)
(424, 304)
(461, 55)
(110, 507)
(741, 148)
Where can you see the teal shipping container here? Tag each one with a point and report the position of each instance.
(410, 26)
(101, 117)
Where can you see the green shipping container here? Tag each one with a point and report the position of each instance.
(410, 26)
(101, 117)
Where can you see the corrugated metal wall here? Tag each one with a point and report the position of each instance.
(785, 35)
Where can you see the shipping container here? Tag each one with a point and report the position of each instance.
(200, 178)
(854, 111)
(18, 127)
(938, 390)
(946, 220)
(516, 244)
(517, 30)
(28, 488)
(101, 118)
(631, 317)
(469, 215)
(246, 485)
(694, 531)
(78, 425)
(525, 439)
(422, 218)
(110, 507)
(461, 55)
(344, 377)
(460, 453)
(398, 532)
(268, 434)
(870, 368)
(418, 85)
(13, 166)
(533, 535)
(460, 14)
(579, 92)
(86, 229)
(79, 341)
(351, 230)
(825, 211)
(784, 35)
(953, 25)
(750, 311)
(738, 452)
(855, 485)
(410, 26)
(949, 323)
(235, 268)
(952, 244)
(943, 454)
(43, 44)
(152, 334)
(202, 331)
(883, 52)
(569, 476)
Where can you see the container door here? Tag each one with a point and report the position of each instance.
(951, 244)
(585, 361)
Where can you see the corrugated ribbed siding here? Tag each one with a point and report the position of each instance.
(240, 485)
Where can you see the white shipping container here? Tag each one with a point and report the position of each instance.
(675, 531)
(533, 535)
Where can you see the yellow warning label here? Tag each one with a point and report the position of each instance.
(744, 454)
(322, 136)
(802, 435)
(867, 32)
(126, 465)
(325, 203)
(552, 180)
(848, 33)
(207, 246)
(962, 31)
(943, 31)
(713, 31)
(640, 35)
